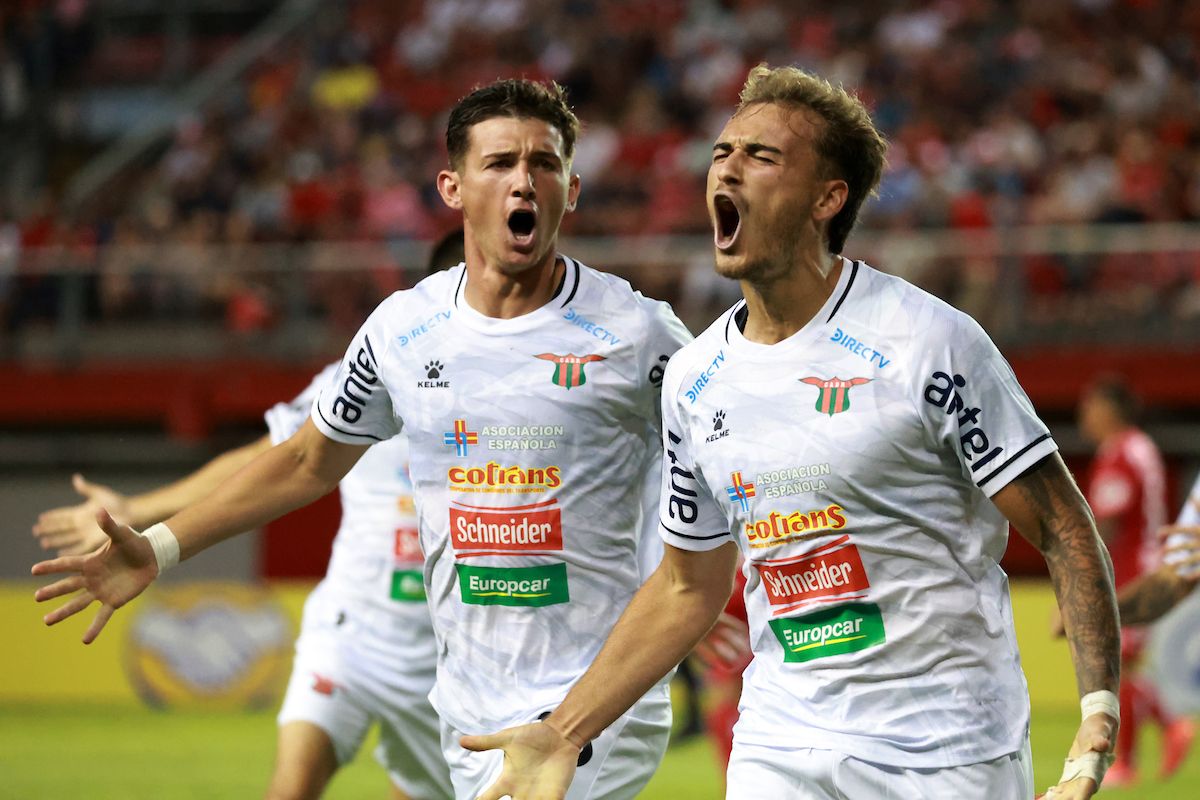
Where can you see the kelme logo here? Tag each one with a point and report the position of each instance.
(513, 586)
(829, 632)
(834, 395)
(568, 369)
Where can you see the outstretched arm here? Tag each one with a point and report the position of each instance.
(1046, 506)
(666, 618)
(285, 477)
(73, 529)
(1152, 595)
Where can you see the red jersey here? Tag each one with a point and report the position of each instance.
(1127, 484)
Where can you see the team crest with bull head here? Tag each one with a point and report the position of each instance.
(834, 395)
(568, 369)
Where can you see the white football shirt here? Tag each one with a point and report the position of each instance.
(852, 465)
(534, 447)
(1188, 515)
(376, 562)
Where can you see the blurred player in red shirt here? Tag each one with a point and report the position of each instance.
(726, 654)
(1127, 491)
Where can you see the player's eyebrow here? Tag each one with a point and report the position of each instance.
(511, 153)
(752, 148)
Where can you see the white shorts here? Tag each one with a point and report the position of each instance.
(623, 757)
(756, 771)
(345, 677)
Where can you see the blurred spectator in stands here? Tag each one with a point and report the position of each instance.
(999, 113)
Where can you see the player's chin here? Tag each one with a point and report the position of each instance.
(734, 266)
(517, 263)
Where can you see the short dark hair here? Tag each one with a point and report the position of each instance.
(514, 97)
(448, 251)
(850, 146)
(1115, 390)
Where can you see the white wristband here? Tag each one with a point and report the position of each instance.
(1101, 702)
(166, 546)
(1092, 764)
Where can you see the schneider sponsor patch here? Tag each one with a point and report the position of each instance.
(478, 530)
(829, 632)
(513, 586)
(828, 571)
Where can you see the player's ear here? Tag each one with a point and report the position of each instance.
(573, 188)
(831, 200)
(450, 188)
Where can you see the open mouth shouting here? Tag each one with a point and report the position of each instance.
(522, 223)
(727, 221)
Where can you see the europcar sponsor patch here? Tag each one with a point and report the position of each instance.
(544, 585)
(829, 632)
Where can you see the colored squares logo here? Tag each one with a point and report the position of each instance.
(740, 492)
(460, 438)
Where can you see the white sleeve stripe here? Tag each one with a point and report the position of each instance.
(342, 431)
(690, 536)
(1013, 458)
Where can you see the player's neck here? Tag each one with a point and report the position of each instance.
(500, 295)
(778, 308)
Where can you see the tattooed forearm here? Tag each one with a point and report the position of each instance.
(1151, 596)
(1049, 510)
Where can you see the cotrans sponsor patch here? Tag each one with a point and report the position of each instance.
(779, 528)
(832, 570)
(513, 586)
(477, 530)
(500, 479)
(829, 632)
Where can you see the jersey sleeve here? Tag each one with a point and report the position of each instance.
(689, 517)
(353, 406)
(284, 419)
(664, 336)
(972, 406)
(1190, 513)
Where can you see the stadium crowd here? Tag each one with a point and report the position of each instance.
(999, 113)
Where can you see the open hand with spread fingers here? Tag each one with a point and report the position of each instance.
(1182, 550)
(72, 530)
(1089, 758)
(539, 762)
(118, 571)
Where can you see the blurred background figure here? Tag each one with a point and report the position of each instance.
(1127, 490)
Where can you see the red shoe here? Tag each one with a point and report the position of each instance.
(1177, 738)
(1121, 773)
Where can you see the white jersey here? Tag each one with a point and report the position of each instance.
(1190, 513)
(376, 563)
(852, 465)
(534, 444)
